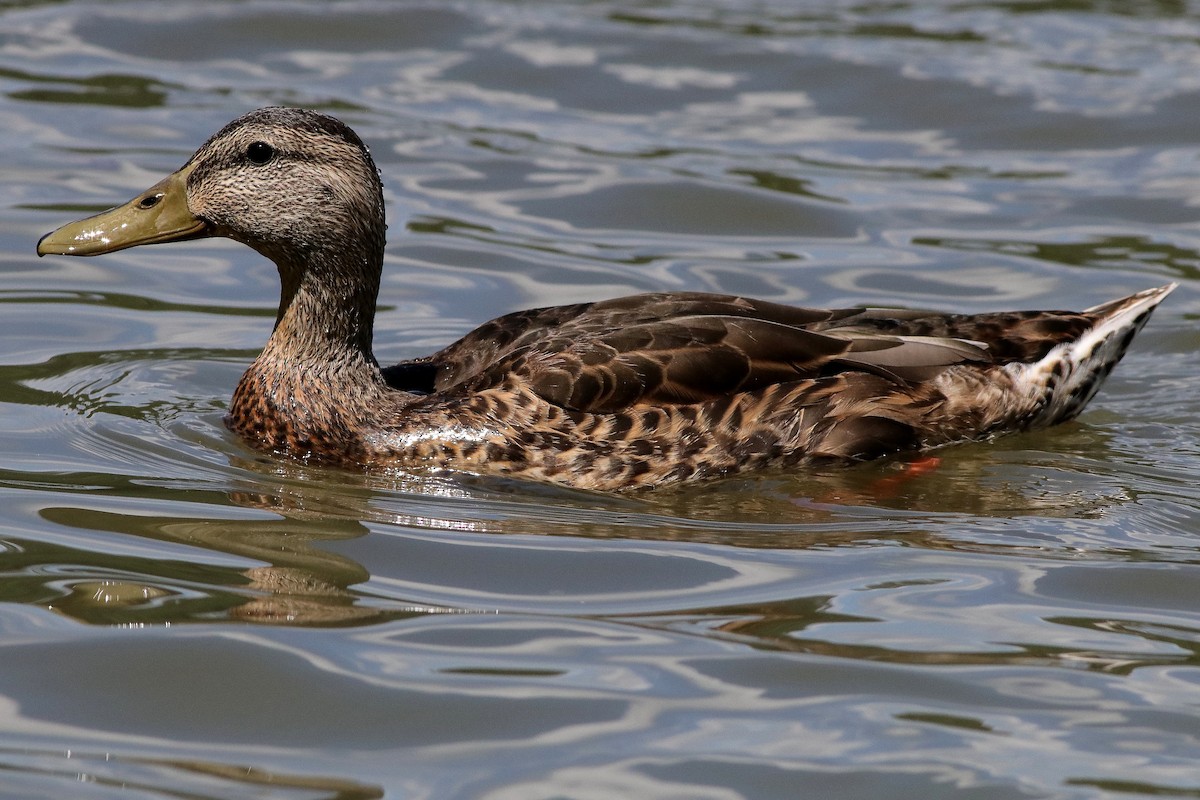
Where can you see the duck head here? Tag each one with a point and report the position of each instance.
(299, 187)
(290, 183)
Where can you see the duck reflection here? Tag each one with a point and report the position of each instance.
(286, 568)
(292, 581)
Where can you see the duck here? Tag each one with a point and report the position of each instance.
(618, 394)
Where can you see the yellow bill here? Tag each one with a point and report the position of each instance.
(159, 214)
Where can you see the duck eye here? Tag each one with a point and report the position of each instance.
(259, 152)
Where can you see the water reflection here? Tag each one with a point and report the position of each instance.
(33, 772)
(295, 583)
(132, 91)
(1096, 252)
(304, 561)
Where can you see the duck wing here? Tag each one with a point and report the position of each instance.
(496, 340)
(478, 350)
(696, 359)
(678, 361)
(1023, 336)
(677, 348)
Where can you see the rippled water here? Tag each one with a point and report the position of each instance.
(182, 617)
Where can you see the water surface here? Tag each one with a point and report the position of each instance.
(183, 617)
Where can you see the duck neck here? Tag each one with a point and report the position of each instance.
(316, 385)
(326, 315)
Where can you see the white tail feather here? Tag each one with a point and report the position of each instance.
(1069, 376)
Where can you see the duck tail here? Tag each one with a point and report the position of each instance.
(1069, 376)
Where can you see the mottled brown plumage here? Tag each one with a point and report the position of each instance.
(621, 393)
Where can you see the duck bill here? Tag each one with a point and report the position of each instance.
(159, 214)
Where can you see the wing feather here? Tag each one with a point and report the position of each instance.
(682, 348)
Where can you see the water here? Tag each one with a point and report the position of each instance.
(182, 617)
